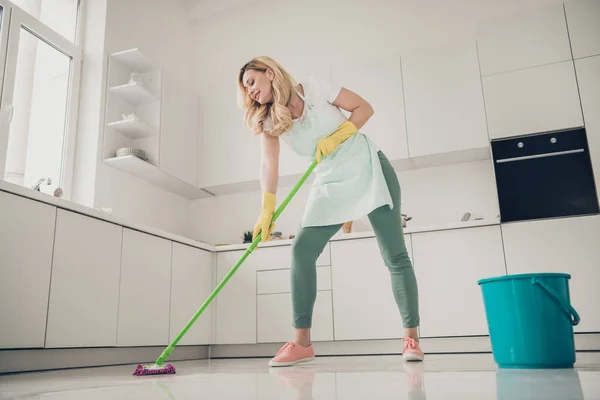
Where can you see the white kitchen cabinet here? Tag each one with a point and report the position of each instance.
(280, 257)
(448, 265)
(533, 100)
(523, 40)
(564, 245)
(145, 290)
(588, 78)
(444, 100)
(26, 239)
(191, 284)
(275, 318)
(363, 301)
(236, 303)
(84, 295)
(278, 281)
(379, 81)
(179, 131)
(583, 20)
(230, 151)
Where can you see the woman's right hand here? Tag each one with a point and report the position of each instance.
(265, 220)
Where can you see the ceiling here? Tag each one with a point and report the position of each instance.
(202, 9)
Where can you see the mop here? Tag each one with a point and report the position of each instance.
(159, 368)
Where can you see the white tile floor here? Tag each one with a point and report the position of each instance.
(328, 378)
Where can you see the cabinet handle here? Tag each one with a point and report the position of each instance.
(558, 153)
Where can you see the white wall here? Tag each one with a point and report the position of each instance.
(431, 196)
(308, 38)
(304, 36)
(163, 33)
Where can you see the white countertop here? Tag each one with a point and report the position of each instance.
(369, 234)
(80, 209)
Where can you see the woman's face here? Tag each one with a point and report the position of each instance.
(258, 85)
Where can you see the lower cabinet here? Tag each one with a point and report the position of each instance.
(564, 245)
(145, 290)
(448, 265)
(363, 302)
(236, 303)
(26, 237)
(84, 295)
(191, 284)
(275, 317)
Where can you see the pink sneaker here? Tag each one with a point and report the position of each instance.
(412, 350)
(291, 354)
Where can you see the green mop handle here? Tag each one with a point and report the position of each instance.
(257, 240)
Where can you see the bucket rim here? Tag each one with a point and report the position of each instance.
(524, 276)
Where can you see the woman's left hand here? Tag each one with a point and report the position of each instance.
(328, 145)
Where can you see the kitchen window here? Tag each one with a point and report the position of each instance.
(41, 67)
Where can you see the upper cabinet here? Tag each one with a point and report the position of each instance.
(532, 100)
(180, 136)
(583, 19)
(444, 100)
(524, 40)
(588, 77)
(379, 82)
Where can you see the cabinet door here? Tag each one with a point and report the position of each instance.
(363, 302)
(191, 284)
(84, 292)
(145, 290)
(236, 303)
(588, 77)
(523, 40)
(442, 86)
(533, 100)
(179, 131)
(230, 151)
(379, 81)
(26, 237)
(583, 19)
(565, 245)
(275, 318)
(448, 265)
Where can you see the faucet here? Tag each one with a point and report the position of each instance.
(37, 185)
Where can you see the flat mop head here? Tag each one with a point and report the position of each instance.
(143, 370)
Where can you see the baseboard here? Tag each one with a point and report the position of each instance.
(449, 345)
(26, 360)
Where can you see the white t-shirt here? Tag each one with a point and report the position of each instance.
(316, 92)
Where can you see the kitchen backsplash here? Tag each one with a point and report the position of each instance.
(431, 196)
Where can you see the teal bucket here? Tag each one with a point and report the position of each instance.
(530, 319)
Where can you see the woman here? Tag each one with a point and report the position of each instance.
(353, 179)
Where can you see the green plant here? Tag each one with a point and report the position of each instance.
(247, 237)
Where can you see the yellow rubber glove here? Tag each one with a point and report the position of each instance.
(328, 145)
(264, 222)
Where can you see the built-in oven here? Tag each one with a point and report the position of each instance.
(545, 175)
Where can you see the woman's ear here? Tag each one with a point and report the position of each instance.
(270, 74)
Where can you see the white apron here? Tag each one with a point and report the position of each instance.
(349, 183)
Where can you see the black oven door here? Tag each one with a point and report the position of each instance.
(544, 176)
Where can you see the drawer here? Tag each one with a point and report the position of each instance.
(268, 282)
(280, 257)
(275, 320)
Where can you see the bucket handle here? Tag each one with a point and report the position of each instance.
(567, 308)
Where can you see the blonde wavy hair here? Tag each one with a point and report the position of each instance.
(256, 113)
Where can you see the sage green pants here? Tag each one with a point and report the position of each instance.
(387, 225)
